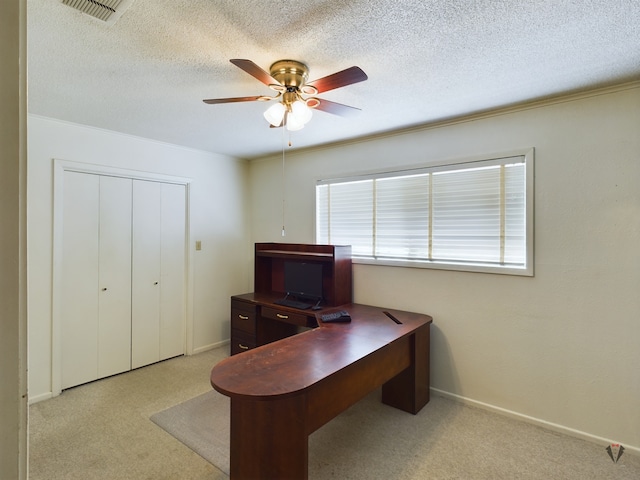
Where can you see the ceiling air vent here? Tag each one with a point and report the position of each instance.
(106, 10)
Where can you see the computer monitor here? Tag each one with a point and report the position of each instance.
(303, 280)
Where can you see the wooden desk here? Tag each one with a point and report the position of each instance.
(284, 391)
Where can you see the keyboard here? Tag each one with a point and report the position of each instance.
(336, 317)
(293, 304)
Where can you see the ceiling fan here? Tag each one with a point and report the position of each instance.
(297, 96)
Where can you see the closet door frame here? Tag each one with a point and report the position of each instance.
(61, 166)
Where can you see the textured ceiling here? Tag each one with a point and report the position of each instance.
(427, 60)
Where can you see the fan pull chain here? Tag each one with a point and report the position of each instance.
(283, 181)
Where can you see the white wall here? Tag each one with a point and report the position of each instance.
(218, 220)
(563, 347)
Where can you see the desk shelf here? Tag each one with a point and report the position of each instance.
(255, 318)
(336, 268)
(315, 256)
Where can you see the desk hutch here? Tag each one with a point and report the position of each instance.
(255, 318)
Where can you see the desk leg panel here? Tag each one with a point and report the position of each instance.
(344, 388)
(409, 390)
(269, 439)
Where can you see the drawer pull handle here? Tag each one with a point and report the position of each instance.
(243, 347)
(242, 317)
(279, 315)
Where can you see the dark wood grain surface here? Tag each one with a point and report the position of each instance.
(293, 364)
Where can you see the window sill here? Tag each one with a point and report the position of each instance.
(460, 267)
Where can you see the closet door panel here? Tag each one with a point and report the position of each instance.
(79, 289)
(145, 311)
(172, 283)
(114, 322)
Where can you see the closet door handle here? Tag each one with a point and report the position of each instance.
(155, 283)
(104, 289)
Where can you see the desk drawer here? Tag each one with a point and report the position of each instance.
(241, 342)
(243, 317)
(287, 317)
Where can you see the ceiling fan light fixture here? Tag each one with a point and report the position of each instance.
(275, 114)
(294, 123)
(301, 112)
(289, 79)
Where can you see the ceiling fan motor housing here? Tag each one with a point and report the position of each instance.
(290, 73)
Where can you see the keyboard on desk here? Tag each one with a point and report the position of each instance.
(293, 304)
(336, 317)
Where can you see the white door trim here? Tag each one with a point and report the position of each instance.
(59, 168)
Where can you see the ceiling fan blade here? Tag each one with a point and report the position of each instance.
(255, 71)
(212, 101)
(340, 79)
(337, 108)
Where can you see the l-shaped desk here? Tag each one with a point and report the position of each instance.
(283, 391)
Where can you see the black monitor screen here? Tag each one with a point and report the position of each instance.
(303, 280)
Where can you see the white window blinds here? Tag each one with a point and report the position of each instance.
(468, 214)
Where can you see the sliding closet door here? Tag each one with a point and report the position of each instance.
(114, 312)
(158, 272)
(173, 271)
(145, 313)
(79, 290)
(96, 278)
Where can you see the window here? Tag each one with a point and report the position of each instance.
(473, 215)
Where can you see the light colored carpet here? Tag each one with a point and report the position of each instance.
(445, 440)
(102, 431)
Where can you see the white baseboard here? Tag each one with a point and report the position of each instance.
(635, 450)
(40, 398)
(210, 346)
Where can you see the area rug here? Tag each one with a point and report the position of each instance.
(365, 434)
(371, 441)
(202, 424)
